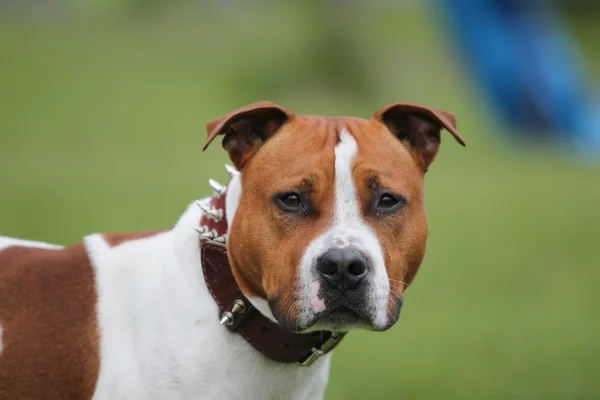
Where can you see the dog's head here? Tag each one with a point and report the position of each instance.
(327, 217)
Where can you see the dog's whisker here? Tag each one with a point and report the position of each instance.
(392, 291)
(399, 281)
(393, 317)
(396, 294)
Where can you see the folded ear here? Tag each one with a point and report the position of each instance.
(246, 129)
(418, 127)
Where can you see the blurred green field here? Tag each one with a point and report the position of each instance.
(101, 126)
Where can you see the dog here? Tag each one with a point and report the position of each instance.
(319, 231)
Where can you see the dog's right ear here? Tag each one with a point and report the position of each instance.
(418, 127)
(246, 129)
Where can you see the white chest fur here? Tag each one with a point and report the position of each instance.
(160, 337)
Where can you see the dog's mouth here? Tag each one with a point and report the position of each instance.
(340, 315)
(345, 311)
(341, 318)
(345, 318)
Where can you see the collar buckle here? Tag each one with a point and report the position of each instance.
(318, 352)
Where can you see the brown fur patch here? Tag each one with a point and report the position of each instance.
(49, 324)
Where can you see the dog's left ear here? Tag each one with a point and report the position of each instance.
(418, 127)
(246, 129)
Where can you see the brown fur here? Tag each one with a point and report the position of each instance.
(49, 324)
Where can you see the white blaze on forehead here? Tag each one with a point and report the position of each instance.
(346, 202)
(347, 227)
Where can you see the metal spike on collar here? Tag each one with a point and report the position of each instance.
(201, 230)
(209, 235)
(226, 318)
(217, 187)
(238, 307)
(221, 239)
(210, 212)
(202, 204)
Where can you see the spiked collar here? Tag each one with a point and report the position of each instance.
(236, 313)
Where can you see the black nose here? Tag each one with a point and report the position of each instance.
(343, 268)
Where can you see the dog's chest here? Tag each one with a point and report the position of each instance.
(160, 336)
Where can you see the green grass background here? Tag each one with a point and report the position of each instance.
(101, 126)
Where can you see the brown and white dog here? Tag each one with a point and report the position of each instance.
(326, 227)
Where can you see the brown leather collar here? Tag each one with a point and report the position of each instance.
(235, 311)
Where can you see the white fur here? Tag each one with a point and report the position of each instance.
(347, 224)
(263, 307)
(159, 332)
(6, 242)
(234, 191)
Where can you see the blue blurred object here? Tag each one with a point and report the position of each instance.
(528, 66)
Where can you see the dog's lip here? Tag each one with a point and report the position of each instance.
(341, 318)
(345, 305)
(342, 313)
(341, 309)
(348, 313)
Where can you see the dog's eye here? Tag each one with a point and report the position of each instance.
(290, 202)
(389, 202)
